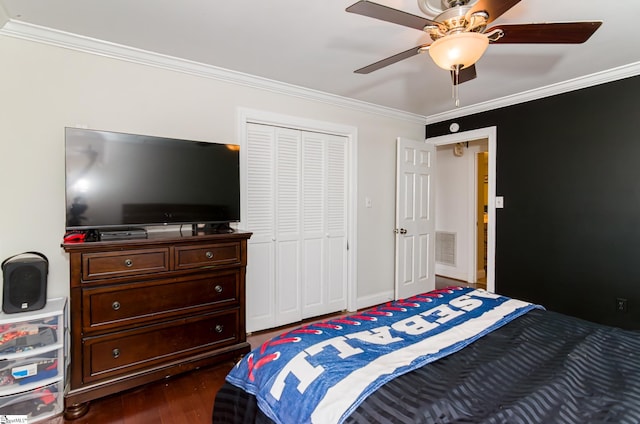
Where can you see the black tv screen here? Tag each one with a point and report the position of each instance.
(117, 180)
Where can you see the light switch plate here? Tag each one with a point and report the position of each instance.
(499, 202)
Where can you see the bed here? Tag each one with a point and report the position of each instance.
(476, 358)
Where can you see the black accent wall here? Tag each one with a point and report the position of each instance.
(568, 167)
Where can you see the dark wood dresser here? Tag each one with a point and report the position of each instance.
(146, 309)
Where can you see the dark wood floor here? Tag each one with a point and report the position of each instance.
(184, 399)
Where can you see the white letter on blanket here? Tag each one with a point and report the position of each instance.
(380, 336)
(444, 312)
(484, 293)
(466, 303)
(303, 370)
(414, 325)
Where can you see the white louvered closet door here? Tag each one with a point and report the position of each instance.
(273, 215)
(259, 149)
(287, 230)
(324, 252)
(296, 209)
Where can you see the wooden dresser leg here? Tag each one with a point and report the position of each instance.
(76, 410)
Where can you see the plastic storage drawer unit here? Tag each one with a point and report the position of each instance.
(33, 361)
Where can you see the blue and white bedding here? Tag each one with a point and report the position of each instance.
(321, 372)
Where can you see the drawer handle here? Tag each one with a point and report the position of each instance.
(115, 305)
(209, 255)
(218, 288)
(115, 353)
(128, 263)
(219, 328)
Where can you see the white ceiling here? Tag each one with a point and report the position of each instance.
(315, 44)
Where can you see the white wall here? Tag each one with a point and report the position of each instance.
(45, 88)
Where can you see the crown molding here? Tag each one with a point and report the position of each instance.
(30, 32)
(40, 34)
(614, 74)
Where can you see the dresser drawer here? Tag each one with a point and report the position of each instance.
(125, 352)
(124, 263)
(200, 256)
(140, 302)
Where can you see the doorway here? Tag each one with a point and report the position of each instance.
(482, 207)
(459, 218)
(465, 244)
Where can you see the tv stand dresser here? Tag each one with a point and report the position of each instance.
(145, 309)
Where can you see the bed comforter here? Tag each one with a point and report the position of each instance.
(541, 367)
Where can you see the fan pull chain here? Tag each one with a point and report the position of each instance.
(456, 82)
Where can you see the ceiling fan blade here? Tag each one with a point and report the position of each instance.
(388, 14)
(390, 60)
(547, 33)
(495, 8)
(464, 75)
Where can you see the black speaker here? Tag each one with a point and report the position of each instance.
(24, 282)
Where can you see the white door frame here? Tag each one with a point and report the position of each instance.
(490, 133)
(246, 115)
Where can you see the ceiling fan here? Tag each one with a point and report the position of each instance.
(459, 34)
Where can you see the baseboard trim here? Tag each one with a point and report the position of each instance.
(375, 299)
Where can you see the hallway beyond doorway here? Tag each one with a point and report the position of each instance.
(442, 282)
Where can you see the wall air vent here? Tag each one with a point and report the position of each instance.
(446, 248)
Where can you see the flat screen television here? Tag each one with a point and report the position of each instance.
(119, 181)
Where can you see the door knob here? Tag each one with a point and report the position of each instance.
(400, 231)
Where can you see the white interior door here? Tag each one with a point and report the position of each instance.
(415, 220)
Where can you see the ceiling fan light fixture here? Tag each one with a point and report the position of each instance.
(460, 49)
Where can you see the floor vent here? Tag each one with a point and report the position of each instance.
(446, 248)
